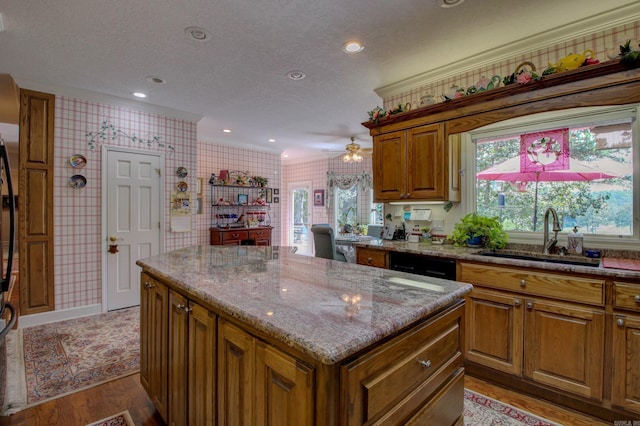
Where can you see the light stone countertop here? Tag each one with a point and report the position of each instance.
(471, 254)
(300, 300)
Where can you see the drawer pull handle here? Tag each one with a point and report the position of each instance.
(637, 298)
(620, 322)
(517, 303)
(425, 364)
(370, 260)
(529, 305)
(523, 283)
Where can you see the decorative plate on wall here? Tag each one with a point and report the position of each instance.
(77, 161)
(182, 172)
(77, 181)
(182, 186)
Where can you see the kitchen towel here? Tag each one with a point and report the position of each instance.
(629, 264)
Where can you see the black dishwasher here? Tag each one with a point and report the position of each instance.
(430, 266)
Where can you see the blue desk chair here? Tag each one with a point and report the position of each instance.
(324, 242)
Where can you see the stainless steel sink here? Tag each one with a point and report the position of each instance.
(539, 257)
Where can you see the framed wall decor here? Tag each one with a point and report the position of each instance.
(276, 191)
(243, 199)
(269, 195)
(318, 197)
(276, 199)
(199, 186)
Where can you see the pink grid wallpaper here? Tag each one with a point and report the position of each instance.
(78, 212)
(213, 157)
(600, 42)
(316, 172)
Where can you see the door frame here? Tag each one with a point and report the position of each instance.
(307, 184)
(103, 240)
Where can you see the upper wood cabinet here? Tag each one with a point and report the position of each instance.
(412, 164)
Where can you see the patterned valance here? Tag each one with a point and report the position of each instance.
(334, 180)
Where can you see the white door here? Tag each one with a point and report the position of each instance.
(300, 218)
(133, 215)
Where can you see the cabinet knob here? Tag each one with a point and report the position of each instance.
(523, 282)
(369, 260)
(187, 309)
(620, 321)
(148, 285)
(408, 195)
(529, 305)
(425, 364)
(517, 303)
(637, 298)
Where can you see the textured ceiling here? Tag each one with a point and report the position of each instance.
(237, 80)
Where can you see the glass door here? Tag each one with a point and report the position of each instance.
(300, 218)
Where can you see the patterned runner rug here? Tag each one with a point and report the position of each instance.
(480, 410)
(120, 419)
(67, 356)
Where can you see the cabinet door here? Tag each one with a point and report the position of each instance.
(626, 361)
(201, 367)
(178, 344)
(494, 330)
(427, 163)
(284, 389)
(389, 166)
(236, 364)
(262, 237)
(563, 347)
(154, 319)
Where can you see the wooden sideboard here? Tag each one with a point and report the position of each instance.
(240, 236)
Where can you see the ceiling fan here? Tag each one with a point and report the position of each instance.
(354, 153)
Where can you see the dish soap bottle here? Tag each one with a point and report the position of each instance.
(574, 241)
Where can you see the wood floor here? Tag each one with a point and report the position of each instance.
(127, 393)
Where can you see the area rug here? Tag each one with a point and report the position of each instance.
(120, 419)
(67, 356)
(480, 410)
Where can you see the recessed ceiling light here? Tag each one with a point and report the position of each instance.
(352, 47)
(226, 130)
(296, 75)
(272, 140)
(285, 155)
(155, 79)
(450, 3)
(139, 95)
(197, 33)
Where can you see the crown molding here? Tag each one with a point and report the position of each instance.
(605, 21)
(92, 96)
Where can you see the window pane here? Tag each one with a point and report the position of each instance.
(594, 191)
(346, 207)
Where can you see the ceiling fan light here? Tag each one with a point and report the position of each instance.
(346, 158)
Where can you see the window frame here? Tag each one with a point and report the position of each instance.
(555, 119)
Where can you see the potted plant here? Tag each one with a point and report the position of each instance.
(475, 230)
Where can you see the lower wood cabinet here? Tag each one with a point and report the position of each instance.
(626, 346)
(154, 314)
(551, 342)
(202, 369)
(372, 257)
(240, 236)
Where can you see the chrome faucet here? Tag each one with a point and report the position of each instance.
(550, 243)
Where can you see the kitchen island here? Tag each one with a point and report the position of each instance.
(260, 335)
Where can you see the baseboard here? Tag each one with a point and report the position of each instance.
(61, 315)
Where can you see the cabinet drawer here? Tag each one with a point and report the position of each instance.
(557, 286)
(234, 235)
(626, 296)
(259, 234)
(371, 257)
(408, 369)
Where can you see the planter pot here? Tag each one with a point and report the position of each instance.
(474, 242)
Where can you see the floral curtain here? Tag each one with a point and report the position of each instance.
(334, 180)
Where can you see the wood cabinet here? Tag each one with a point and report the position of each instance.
(259, 384)
(533, 328)
(154, 314)
(626, 346)
(177, 338)
(240, 236)
(411, 164)
(394, 382)
(212, 369)
(372, 257)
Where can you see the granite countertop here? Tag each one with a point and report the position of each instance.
(305, 301)
(471, 254)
